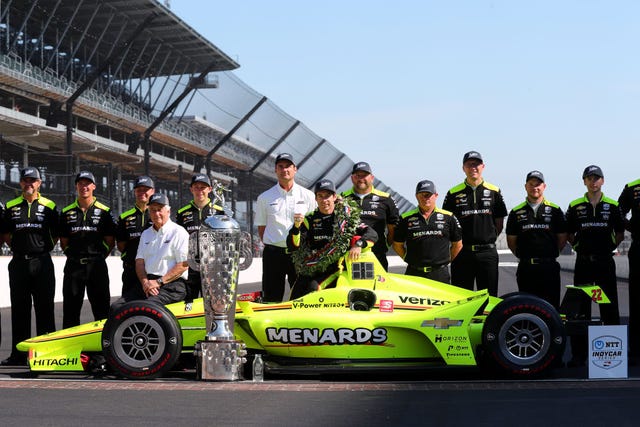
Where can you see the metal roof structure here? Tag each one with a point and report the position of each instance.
(99, 27)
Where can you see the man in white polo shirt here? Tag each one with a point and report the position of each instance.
(274, 217)
(161, 261)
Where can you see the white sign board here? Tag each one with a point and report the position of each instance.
(608, 351)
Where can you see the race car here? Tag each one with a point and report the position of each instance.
(360, 318)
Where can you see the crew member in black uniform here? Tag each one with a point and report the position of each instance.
(428, 238)
(629, 201)
(130, 226)
(30, 227)
(480, 208)
(191, 217)
(596, 228)
(536, 232)
(316, 230)
(87, 236)
(379, 210)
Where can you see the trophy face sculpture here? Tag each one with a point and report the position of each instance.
(214, 251)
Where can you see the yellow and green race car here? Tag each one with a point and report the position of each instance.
(361, 318)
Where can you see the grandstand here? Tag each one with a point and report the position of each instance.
(113, 86)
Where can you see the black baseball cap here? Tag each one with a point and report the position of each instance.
(143, 181)
(200, 177)
(285, 157)
(361, 166)
(472, 155)
(535, 174)
(592, 170)
(324, 184)
(85, 175)
(30, 172)
(159, 198)
(426, 186)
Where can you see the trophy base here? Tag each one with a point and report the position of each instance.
(220, 361)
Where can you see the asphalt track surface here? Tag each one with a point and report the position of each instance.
(438, 397)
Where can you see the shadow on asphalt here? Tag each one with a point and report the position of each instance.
(442, 374)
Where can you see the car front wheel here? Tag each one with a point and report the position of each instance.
(141, 340)
(523, 335)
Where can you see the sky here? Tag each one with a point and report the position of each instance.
(410, 86)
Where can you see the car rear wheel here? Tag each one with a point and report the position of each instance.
(141, 340)
(523, 335)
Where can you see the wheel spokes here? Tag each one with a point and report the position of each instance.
(141, 341)
(525, 338)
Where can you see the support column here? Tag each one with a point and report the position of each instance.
(120, 187)
(231, 132)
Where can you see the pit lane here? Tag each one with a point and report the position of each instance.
(453, 399)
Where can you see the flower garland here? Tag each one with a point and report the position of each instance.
(309, 261)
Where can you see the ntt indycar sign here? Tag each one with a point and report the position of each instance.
(608, 351)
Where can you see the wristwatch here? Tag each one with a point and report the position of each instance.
(361, 243)
(159, 280)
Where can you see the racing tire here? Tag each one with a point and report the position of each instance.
(141, 340)
(523, 336)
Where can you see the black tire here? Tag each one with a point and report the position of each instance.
(523, 336)
(141, 340)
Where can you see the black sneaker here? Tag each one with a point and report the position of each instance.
(14, 361)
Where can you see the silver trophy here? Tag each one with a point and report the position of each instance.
(215, 251)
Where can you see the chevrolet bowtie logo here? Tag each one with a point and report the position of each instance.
(441, 323)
